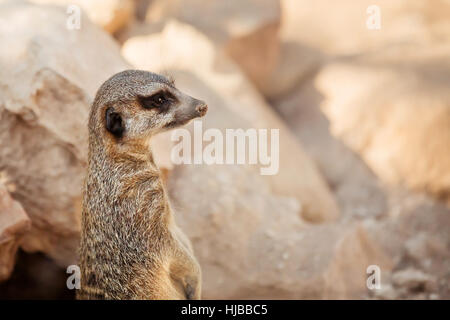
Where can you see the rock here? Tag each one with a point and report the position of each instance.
(312, 35)
(111, 15)
(141, 8)
(392, 108)
(295, 64)
(340, 28)
(353, 252)
(418, 231)
(48, 77)
(273, 254)
(138, 28)
(422, 247)
(414, 280)
(14, 223)
(386, 292)
(206, 73)
(356, 188)
(246, 30)
(417, 247)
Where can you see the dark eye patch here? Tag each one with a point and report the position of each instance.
(160, 100)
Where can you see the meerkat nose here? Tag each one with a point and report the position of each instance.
(202, 109)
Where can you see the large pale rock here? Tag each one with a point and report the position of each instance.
(393, 108)
(48, 75)
(246, 30)
(252, 245)
(340, 27)
(312, 34)
(111, 15)
(14, 222)
(226, 90)
(357, 190)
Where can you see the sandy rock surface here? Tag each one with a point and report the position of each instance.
(43, 112)
(340, 28)
(14, 222)
(401, 127)
(313, 34)
(247, 31)
(111, 15)
(273, 253)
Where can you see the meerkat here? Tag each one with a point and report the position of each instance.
(130, 246)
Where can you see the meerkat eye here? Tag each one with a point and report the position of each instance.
(158, 100)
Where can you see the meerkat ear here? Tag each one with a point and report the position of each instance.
(114, 122)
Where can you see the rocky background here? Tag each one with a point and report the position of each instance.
(364, 119)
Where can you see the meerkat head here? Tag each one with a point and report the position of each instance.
(138, 104)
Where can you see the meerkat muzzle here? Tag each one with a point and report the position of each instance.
(202, 109)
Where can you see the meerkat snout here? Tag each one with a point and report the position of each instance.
(136, 104)
(191, 109)
(202, 109)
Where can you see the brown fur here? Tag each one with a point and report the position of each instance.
(130, 246)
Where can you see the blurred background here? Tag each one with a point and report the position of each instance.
(359, 90)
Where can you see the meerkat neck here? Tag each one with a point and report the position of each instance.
(125, 169)
(131, 152)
